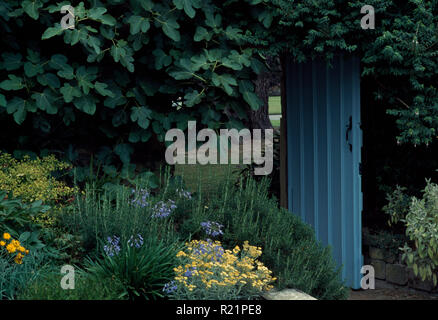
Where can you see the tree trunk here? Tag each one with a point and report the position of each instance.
(259, 119)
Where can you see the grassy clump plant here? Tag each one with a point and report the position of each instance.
(290, 248)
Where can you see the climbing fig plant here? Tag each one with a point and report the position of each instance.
(127, 71)
(131, 69)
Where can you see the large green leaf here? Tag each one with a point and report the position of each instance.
(86, 104)
(170, 29)
(14, 83)
(44, 101)
(85, 76)
(213, 21)
(69, 92)
(138, 23)
(98, 14)
(51, 32)
(49, 79)
(102, 89)
(188, 6)
(11, 61)
(17, 107)
(246, 88)
(161, 59)
(192, 98)
(225, 81)
(124, 152)
(118, 99)
(141, 115)
(31, 7)
(202, 34)
(31, 70)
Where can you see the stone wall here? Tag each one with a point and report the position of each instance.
(390, 267)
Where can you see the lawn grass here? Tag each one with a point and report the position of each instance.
(274, 105)
(209, 177)
(276, 124)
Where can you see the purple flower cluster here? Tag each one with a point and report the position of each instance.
(170, 287)
(140, 198)
(136, 241)
(212, 228)
(183, 194)
(189, 272)
(163, 209)
(210, 248)
(113, 246)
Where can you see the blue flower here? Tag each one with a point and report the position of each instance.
(112, 247)
(163, 209)
(189, 272)
(136, 242)
(212, 229)
(170, 287)
(217, 251)
(140, 198)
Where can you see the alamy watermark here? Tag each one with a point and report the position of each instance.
(68, 280)
(368, 281)
(255, 149)
(68, 21)
(369, 20)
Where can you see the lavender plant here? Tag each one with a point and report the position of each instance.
(212, 229)
(113, 246)
(163, 209)
(142, 266)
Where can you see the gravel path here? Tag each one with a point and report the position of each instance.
(385, 291)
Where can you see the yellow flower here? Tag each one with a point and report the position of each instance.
(6, 236)
(11, 248)
(18, 258)
(2, 243)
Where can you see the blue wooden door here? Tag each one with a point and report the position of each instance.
(324, 141)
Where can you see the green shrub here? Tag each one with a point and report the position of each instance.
(290, 249)
(141, 266)
(34, 180)
(116, 210)
(16, 216)
(208, 272)
(389, 241)
(14, 278)
(47, 287)
(397, 206)
(422, 229)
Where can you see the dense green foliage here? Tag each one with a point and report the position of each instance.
(419, 217)
(397, 206)
(399, 56)
(128, 237)
(129, 71)
(14, 278)
(421, 228)
(47, 287)
(16, 216)
(115, 211)
(289, 246)
(142, 270)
